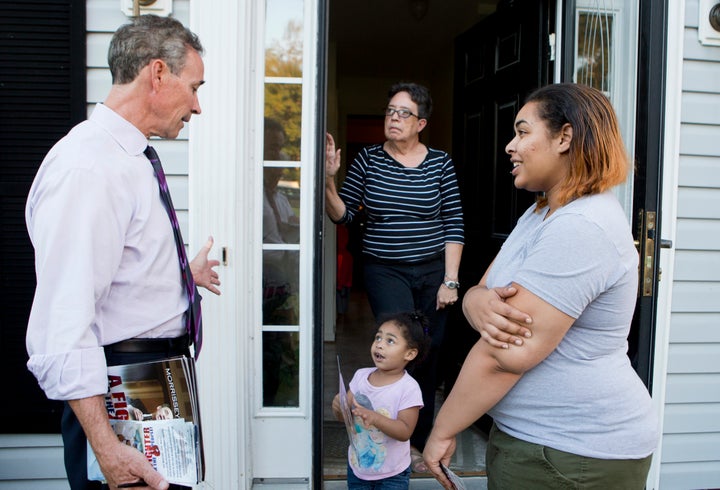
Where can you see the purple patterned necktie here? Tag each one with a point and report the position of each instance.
(194, 316)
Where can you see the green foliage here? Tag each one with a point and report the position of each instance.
(283, 101)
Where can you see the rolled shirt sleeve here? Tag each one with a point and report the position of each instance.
(71, 375)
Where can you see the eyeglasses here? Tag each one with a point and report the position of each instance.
(402, 113)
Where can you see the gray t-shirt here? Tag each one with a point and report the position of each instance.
(585, 397)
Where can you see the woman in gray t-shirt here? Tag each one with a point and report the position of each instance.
(569, 410)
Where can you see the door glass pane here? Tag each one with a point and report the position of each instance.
(595, 36)
(605, 58)
(280, 369)
(281, 205)
(280, 303)
(283, 108)
(283, 38)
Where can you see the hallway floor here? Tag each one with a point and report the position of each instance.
(353, 336)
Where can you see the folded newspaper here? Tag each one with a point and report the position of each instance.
(153, 407)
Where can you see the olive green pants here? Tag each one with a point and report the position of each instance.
(513, 464)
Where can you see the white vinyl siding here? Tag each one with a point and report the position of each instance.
(29, 462)
(691, 438)
(103, 18)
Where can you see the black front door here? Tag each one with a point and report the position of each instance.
(498, 62)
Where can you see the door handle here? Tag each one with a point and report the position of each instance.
(664, 243)
(647, 235)
(645, 244)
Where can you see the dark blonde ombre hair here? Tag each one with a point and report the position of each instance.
(598, 158)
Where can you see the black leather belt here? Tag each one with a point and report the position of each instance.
(436, 256)
(181, 343)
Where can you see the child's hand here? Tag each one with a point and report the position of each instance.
(369, 417)
(337, 409)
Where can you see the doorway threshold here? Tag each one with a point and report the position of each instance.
(420, 483)
(281, 484)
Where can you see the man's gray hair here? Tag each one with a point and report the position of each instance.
(149, 37)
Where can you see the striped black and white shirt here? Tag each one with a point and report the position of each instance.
(411, 212)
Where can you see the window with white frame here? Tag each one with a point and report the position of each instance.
(282, 194)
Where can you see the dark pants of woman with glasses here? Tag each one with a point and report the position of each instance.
(397, 287)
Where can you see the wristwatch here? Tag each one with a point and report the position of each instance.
(451, 284)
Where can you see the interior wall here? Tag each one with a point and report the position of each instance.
(376, 43)
(367, 95)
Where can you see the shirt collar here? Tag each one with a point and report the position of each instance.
(128, 136)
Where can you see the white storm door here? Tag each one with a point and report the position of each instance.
(281, 418)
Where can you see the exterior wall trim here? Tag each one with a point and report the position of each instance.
(221, 183)
(671, 157)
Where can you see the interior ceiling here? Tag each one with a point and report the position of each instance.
(384, 36)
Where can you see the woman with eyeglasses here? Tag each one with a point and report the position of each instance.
(414, 232)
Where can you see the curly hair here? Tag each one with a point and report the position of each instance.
(413, 326)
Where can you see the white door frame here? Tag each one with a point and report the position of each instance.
(243, 440)
(671, 164)
(221, 182)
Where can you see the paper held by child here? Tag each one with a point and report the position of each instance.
(345, 407)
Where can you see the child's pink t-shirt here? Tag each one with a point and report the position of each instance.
(374, 455)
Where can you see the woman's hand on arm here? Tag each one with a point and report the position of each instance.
(334, 205)
(549, 327)
(498, 322)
